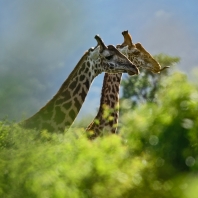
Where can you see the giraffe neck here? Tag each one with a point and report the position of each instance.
(101, 123)
(110, 100)
(141, 58)
(62, 109)
(108, 113)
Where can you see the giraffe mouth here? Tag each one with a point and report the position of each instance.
(159, 70)
(133, 71)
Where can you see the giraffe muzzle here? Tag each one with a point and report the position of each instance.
(133, 71)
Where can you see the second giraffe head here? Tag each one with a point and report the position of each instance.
(138, 54)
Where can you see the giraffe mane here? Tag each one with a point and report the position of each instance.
(72, 74)
(67, 81)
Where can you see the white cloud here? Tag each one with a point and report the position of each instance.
(162, 14)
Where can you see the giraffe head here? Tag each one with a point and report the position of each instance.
(111, 60)
(138, 55)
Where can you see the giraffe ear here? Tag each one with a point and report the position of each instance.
(100, 43)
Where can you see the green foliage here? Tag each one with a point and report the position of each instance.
(166, 60)
(155, 154)
(66, 166)
(167, 131)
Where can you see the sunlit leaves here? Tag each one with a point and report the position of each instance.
(154, 154)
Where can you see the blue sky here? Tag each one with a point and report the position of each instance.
(42, 40)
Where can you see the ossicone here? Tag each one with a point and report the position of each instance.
(100, 43)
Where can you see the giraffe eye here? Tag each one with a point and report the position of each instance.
(109, 57)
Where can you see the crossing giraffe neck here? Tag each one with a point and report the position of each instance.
(110, 90)
(62, 109)
(108, 113)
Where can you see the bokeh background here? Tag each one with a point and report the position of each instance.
(42, 40)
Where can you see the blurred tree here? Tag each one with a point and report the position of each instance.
(155, 154)
(37, 45)
(143, 88)
(168, 129)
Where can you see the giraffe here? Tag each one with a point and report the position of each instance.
(110, 90)
(61, 111)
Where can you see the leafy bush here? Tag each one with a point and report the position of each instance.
(154, 155)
